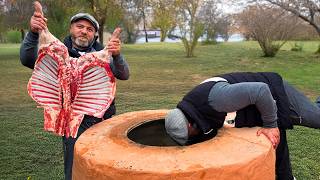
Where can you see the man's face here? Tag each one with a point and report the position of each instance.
(82, 33)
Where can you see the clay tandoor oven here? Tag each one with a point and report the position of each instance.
(135, 146)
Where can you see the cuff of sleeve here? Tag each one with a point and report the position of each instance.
(272, 124)
(117, 59)
(116, 56)
(32, 36)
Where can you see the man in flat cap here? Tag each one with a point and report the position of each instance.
(82, 40)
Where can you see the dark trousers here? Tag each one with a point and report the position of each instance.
(68, 144)
(307, 113)
(283, 165)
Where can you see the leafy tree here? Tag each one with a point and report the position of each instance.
(164, 13)
(58, 13)
(114, 17)
(189, 24)
(106, 12)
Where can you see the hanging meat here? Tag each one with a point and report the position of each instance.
(69, 88)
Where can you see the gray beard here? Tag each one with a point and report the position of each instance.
(80, 44)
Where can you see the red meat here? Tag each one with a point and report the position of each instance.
(68, 88)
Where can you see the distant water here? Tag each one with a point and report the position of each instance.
(233, 38)
(142, 39)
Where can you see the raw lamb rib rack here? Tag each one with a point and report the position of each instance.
(68, 88)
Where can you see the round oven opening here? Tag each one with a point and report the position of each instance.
(151, 133)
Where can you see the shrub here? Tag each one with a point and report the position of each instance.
(13, 36)
(271, 27)
(209, 42)
(318, 50)
(297, 47)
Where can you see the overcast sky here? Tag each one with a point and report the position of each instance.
(231, 7)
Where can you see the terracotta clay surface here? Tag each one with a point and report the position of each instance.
(105, 152)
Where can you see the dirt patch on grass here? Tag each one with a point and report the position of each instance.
(198, 78)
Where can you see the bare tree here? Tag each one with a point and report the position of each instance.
(271, 27)
(17, 14)
(189, 24)
(305, 32)
(144, 6)
(2, 28)
(164, 13)
(141, 10)
(209, 15)
(224, 25)
(308, 10)
(130, 21)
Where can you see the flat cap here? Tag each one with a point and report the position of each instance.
(85, 16)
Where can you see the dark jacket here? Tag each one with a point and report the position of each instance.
(196, 107)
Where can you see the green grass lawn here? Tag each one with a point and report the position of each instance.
(160, 76)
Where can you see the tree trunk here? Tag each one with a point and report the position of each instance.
(144, 27)
(22, 34)
(226, 38)
(163, 35)
(146, 35)
(130, 37)
(100, 32)
(318, 50)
